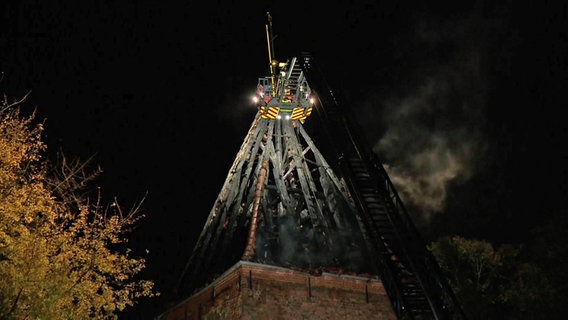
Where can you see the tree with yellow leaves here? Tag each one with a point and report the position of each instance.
(60, 253)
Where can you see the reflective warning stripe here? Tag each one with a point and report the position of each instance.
(298, 113)
(271, 113)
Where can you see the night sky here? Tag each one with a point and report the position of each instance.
(462, 102)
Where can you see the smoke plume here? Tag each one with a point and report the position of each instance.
(434, 120)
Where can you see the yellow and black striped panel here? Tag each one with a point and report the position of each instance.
(271, 113)
(301, 113)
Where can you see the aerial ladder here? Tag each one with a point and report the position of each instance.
(285, 93)
(411, 276)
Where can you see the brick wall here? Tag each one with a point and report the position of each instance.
(256, 291)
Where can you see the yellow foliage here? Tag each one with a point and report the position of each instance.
(56, 260)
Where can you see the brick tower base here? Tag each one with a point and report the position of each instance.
(256, 291)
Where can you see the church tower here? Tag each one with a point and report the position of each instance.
(307, 224)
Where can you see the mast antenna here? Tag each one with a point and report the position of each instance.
(270, 42)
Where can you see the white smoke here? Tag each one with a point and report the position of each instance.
(434, 124)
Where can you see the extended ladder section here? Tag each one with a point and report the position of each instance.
(410, 274)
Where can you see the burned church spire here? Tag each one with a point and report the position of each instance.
(316, 206)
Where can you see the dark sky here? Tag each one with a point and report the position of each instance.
(462, 102)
